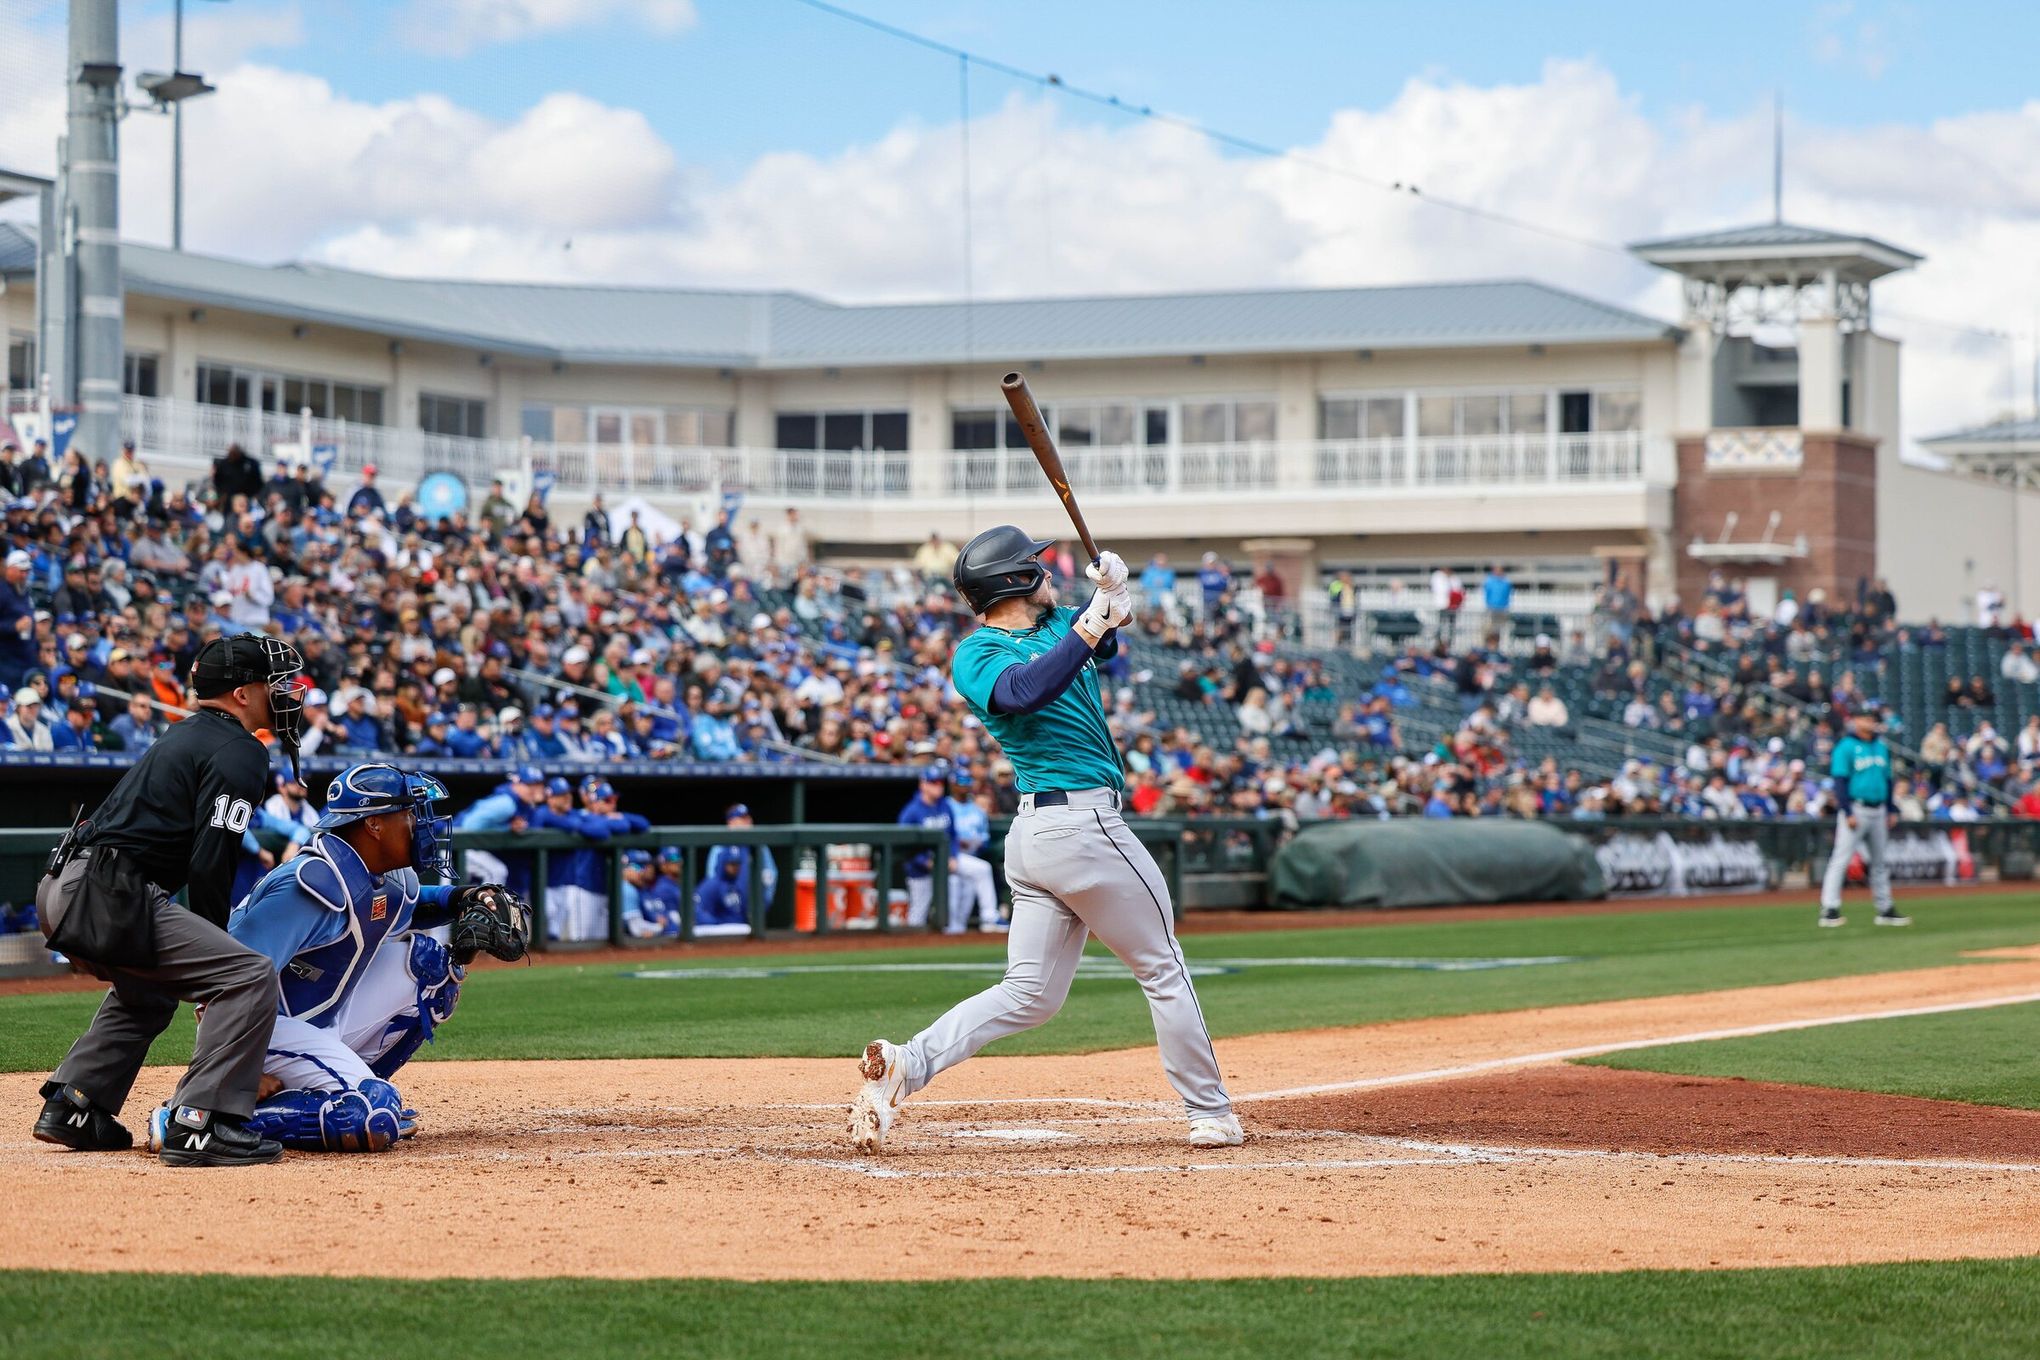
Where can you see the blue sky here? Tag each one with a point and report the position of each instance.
(765, 144)
(751, 76)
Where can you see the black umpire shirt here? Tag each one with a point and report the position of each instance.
(181, 811)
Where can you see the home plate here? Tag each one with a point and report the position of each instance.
(1013, 1135)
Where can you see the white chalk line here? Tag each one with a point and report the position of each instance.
(1558, 1055)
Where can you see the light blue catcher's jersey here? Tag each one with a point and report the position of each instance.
(320, 918)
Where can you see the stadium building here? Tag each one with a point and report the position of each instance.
(1382, 430)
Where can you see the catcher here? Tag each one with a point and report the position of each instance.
(366, 969)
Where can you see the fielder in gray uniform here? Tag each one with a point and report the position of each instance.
(1073, 865)
(1862, 775)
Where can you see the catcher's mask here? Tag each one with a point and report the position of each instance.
(364, 791)
(999, 564)
(227, 663)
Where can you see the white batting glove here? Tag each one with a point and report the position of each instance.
(1108, 572)
(1122, 602)
(1107, 610)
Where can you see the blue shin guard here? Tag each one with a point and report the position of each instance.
(438, 979)
(368, 1118)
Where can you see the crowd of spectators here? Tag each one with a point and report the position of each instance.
(514, 634)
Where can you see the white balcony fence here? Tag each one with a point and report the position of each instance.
(184, 434)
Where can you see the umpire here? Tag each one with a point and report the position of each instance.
(174, 821)
(1862, 773)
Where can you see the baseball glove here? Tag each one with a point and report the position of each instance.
(489, 920)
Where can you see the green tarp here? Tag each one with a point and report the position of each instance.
(1432, 863)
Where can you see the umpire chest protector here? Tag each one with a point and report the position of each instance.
(317, 980)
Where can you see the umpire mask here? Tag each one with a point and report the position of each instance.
(254, 659)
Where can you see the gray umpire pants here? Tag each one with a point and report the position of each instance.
(1074, 871)
(195, 961)
(1870, 835)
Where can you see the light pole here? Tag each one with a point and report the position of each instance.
(186, 85)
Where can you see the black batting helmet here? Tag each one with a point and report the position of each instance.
(1000, 564)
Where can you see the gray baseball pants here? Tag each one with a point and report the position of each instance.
(195, 961)
(1075, 871)
(1870, 835)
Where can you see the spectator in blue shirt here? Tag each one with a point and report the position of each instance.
(464, 741)
(358, 728)
(74, 732)
(1158, 582)
(710, 734)
(1214, 578)
(17, 620)
(138, 728)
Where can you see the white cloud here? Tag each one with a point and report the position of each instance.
(282, 166)
(455, 27)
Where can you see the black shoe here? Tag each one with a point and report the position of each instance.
(201, 1138)
(70, 1119)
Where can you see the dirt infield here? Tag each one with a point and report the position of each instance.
(1423, 1146)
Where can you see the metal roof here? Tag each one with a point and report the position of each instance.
(585, 323)
(1776, 244)
(2025, 432)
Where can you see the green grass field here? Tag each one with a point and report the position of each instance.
(595, 1011)
(1950, 1310)
(1985, 1057)
(1947, 1309)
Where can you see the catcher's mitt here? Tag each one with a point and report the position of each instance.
(490, 920)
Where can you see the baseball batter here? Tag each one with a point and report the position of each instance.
(1073, 865)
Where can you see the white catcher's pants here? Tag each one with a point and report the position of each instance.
(308, 1057)
(970, 884)
(1075, 870)
(1870, 836)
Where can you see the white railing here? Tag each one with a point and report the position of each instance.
(185, 433)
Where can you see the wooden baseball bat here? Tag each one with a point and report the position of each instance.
(1036, 430)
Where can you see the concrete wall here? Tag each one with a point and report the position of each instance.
(1948, 536)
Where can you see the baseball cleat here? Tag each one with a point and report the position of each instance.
(885, 1086)
(1219, 1130)
(1833, 918)
(159, 1127)
(1892, 918)
(70, 1119)
(194, 1137)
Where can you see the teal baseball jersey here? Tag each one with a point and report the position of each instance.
(1865, 766)
(1064, 746)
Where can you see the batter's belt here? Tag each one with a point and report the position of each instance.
(1070, 798)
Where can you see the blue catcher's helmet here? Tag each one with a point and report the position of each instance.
(364, 791)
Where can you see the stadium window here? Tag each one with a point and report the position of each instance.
(841, 431)
(1204, 422)
(1382, 418)
(1526, 413)
(1115, 425)
(1338, 418)
(718, 429)
(460, 416)
(1156, 419)
(224, 385)
(1480, 415)
(138, 378)
(537, 423)
(1077, 426)
(1253, 420)
(973, 430)
(644, 429)
(888, 431)
(1575, 412)
(21, 370)
(794, 431)
(1619, 410)
(1437, 416)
